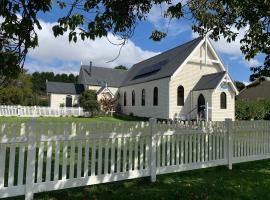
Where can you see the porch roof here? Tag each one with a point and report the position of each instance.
(209, 81)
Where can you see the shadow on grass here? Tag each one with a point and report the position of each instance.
(245, 181)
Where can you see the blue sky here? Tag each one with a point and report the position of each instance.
(60, 56)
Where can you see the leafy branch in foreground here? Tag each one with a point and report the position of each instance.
(91, 19)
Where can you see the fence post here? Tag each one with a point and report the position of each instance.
(30, 165)
(152, 148)
(19, 110)
(229, 142)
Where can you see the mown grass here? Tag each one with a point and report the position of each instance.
(246, 181)
(68, 119)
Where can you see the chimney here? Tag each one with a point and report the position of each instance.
(90, 68)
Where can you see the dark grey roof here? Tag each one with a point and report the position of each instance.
(209, 81)
(64, 88)
(97, 76)
(257, 90)
(160, 66)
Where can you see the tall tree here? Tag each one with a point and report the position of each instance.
(39, 79)
(239, 85)
(91, 19)
(18, 91)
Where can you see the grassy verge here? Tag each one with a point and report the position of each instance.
(245, 181)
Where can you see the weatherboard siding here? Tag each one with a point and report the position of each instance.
(221, 114)
(57, 99)
(160, 111)
(188, 77)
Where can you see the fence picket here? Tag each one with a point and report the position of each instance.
(65, 152)
(3, 155)
(57, 153)
(130, 153)
(21, 156)
(79, 156)
(141, 151)
(136, 159)
(11, 168)
(93, 151)
(72, 150)
(106, 161)
(163, 150)
(86, 152)
(100, 150)
(49, 153)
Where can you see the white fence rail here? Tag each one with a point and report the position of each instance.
(35, 111)
(37, 157)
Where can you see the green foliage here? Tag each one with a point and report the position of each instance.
(17, 31)
(39, 80)
(157, 35)
(88, 100)
(263, 70)
(11, 96)
(98, 18)
(239, 85)
(18, 91)
(121, 67)
(247, 110)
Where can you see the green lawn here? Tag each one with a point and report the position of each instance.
(245, 181)
(71, 119)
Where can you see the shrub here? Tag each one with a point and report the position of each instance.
(258, 110)
(107, 103)
(88, 100)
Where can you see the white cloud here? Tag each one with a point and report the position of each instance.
(251, 63)
(174, 27)
(246, 83)
(59, 55)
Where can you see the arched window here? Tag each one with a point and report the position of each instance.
(223, 100)
(133, 98)
(68, 101)
(143, 97)
(180, 95)
(155, 96)
(125, 98)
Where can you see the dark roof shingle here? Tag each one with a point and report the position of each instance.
(64, 88)
(160, 66)
(209, 81)
(98, 75)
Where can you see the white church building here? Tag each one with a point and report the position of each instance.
(186, 82)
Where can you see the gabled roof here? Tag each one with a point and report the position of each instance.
(104, 88)
(160, 66)
(258, 81)
(257, 90)
(99, 75)
(64, 88)
(209, 81)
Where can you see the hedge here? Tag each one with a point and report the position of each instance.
(257, 110)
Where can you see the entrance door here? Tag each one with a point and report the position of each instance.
(68, 101)
(201, 106)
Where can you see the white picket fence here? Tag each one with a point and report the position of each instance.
(37, 157)
(36, 111)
